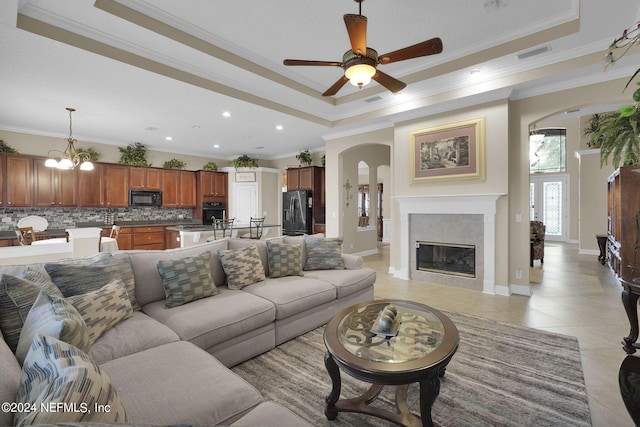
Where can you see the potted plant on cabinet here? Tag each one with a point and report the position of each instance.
(5, 148)
(134, 154)
(618, 136)
(591, 129)
(210, 166)
(244, 161)
(174, 164)
(304, 158)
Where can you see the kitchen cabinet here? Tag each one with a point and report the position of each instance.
(172, 239)
(148, 237)
(116, 179)
(179, 189)
(145, 178)
(623, 232)
(54, 187)
(91, 193)
(3, 168)
(213, 185)
(19, 180)
(124, 239)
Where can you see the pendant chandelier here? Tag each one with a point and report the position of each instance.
(70, 158)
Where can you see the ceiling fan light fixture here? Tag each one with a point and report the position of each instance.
(360, 74)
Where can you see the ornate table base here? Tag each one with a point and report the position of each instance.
(429, 390)
(630, 294)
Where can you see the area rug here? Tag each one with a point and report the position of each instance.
(501, 375)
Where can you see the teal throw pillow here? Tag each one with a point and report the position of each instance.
(323, 254)
(187, 279)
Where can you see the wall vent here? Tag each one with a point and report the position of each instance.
(533, 52)
(373, 99)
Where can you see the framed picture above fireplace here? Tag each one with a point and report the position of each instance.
(449, 152)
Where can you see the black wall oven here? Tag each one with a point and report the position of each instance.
(211, 210)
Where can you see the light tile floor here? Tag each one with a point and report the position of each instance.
(577, 296)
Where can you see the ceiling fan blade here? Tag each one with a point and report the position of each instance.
(305, 62)
(357, 29)
(393, 84)
(429, 47)
(336, 87)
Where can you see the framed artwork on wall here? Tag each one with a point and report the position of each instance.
(245, 176)
(449, 152)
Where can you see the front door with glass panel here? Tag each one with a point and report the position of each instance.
(549, 204)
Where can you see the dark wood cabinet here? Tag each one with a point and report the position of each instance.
(91, 187)
(116, 179)
(145, 178)
(623, 222)
(3, 178)
(213, 185)
(179, 189)
(19, 181)
(54, 187)
(148, 237)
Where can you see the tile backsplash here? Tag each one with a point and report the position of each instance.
(61, 218)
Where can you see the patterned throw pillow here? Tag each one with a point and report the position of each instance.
(323, 254)
(17, 295)
(55, 317)
(77, 279)
(55, 372)
(104, 308)
(284, 259)
(243, 266)
(41, 279)
(187, 279)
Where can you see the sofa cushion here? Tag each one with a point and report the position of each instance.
(271, 414)
(55, 317)
(323, 254)
(260, 244)
(10, 373)
(17, 295)
(103, 308)
(299, 240)
(135, 334)
(57, 372)
(347, 282)
(178, 383)
(77, 279)
(209, 321)
(187, 279)
(293, 294)
(284, 259)
(149, 287)
(242, 266)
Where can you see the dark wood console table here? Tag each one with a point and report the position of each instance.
(630, 294)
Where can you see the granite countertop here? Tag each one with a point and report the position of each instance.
(60, 232)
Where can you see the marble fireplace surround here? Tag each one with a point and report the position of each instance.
(473, 204)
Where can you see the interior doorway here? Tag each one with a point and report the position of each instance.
(549, 203)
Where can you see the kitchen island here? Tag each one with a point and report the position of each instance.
(191, 235)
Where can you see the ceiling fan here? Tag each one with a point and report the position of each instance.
(360, 62)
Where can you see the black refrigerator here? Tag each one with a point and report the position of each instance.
(296, 212)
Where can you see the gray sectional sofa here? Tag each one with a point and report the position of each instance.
(171, 365)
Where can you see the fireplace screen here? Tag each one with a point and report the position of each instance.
(446, 258)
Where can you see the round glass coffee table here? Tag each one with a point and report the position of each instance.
(416, 349)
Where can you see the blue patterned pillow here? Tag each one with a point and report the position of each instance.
(187, 279)
(243, 266)
(104, 308)
(284, 259)
(54, 317)
(78, 279)
(55, 372)
(323, 254)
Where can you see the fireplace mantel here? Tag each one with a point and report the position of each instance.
(475, 204)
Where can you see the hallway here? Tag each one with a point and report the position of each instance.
(577, 296)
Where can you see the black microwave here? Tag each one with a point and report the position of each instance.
(145, 198)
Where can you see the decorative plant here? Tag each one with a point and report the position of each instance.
(244, 161)
(134, 154)
(304, 157)
(323, 159)
(619, 138)
(211, 166)
(593, 128)
(174, 164)
(5, 148)
(93, 155)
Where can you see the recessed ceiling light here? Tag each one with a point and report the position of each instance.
(226, 114)
(475, 71)
(216, 146)
(195, 127)
(168, 138)
(279, 127)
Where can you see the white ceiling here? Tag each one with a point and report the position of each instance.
(141, 70)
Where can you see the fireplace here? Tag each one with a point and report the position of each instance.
(446, 258)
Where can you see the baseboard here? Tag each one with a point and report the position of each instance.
(524, 290)
(589, 252)
(366, 253)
